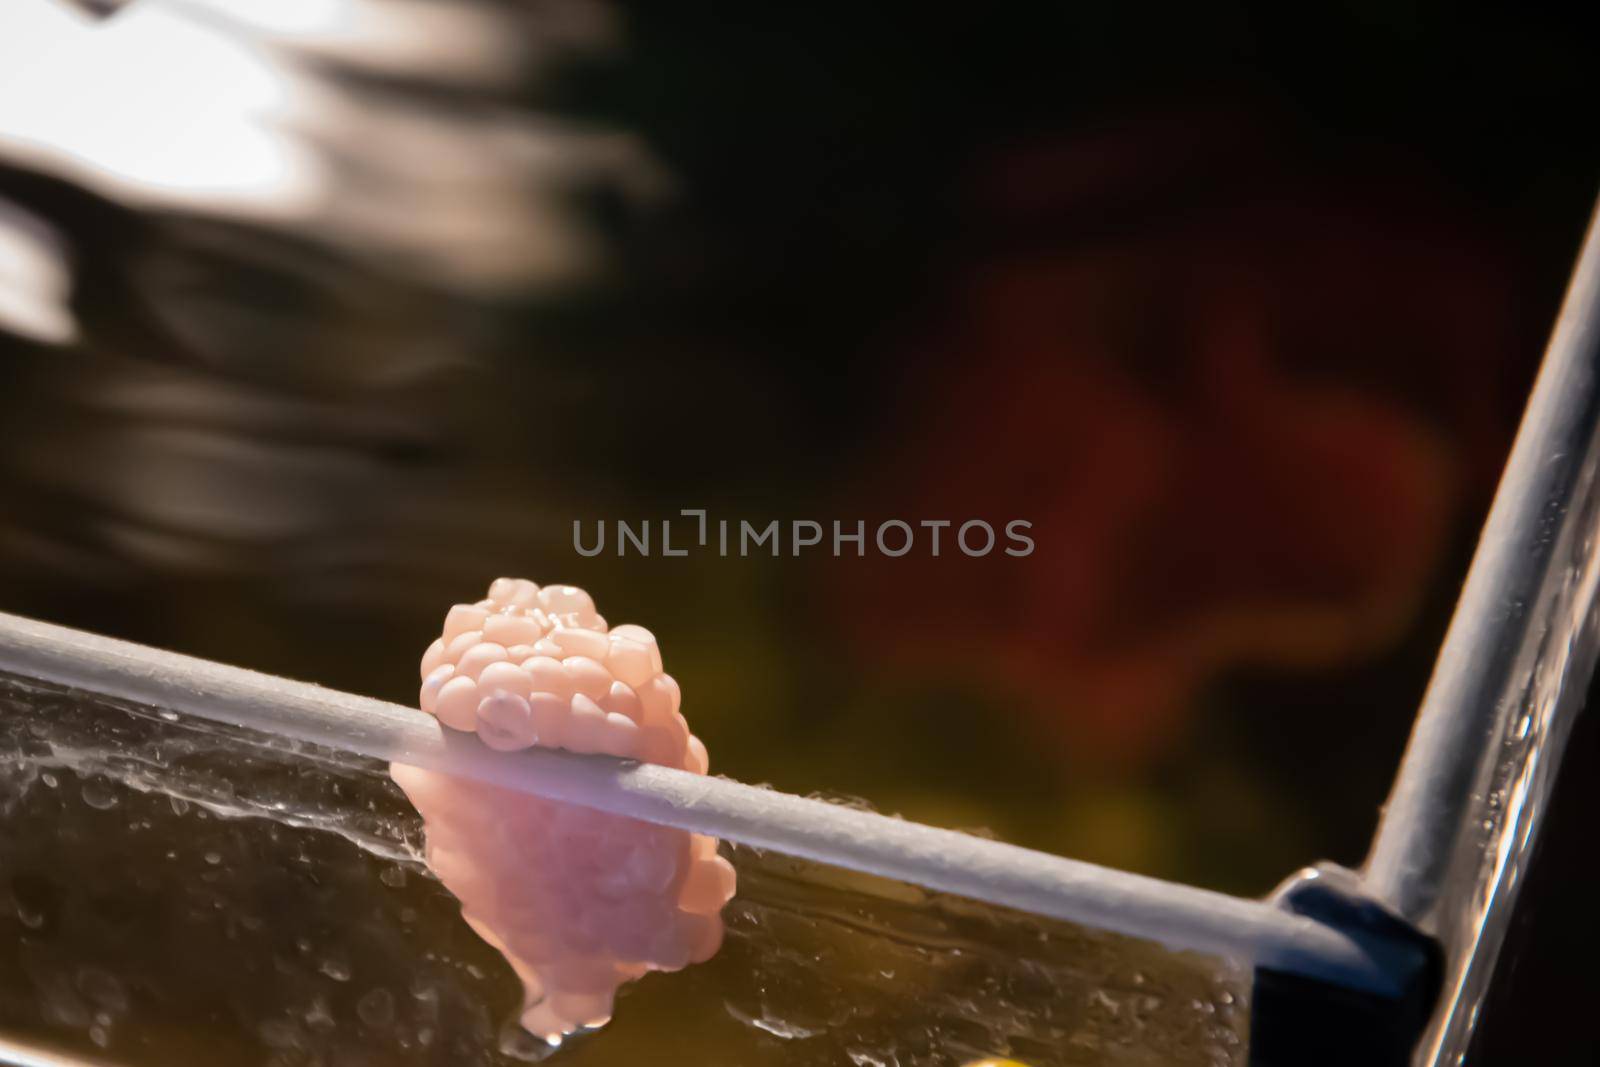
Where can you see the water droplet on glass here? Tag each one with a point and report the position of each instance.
(376, 1008)
(319, 1018)
(281, 1033)
(517, 1044)
(98, 795)
(335, 968)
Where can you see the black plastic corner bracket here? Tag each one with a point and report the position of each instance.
(1298, 1021)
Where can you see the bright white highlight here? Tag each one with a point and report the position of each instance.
(34, 281)
(249, 112)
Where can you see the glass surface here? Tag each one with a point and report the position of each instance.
(1540, 699)
(175, 892)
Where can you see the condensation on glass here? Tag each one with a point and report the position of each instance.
(175, 892)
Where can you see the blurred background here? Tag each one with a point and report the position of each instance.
(1238, 307)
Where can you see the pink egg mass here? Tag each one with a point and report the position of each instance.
(578, 901)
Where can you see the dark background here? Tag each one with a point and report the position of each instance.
(1237, 305)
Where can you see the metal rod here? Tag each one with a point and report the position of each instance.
(943, 860)
(1520, 602)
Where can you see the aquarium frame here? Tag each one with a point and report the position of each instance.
(948, 861)
(1462, 820)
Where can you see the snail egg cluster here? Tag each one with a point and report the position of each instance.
(530, 666)
(577, 900)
